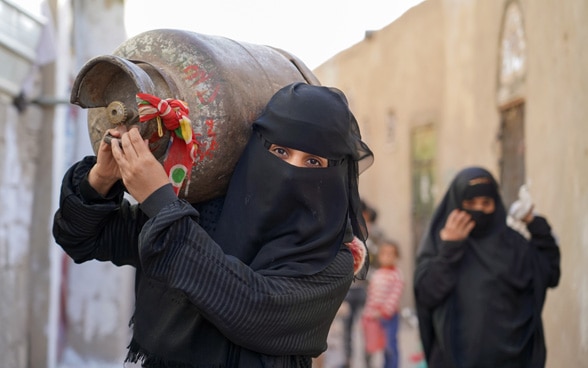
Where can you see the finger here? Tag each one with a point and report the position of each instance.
(117, 151)
(114, 132)
(469, 226)
(104, 145)
(530, 211)
(458, 218)
(462, 217)
(135, 141)
(452, 215)
(128, 146)
(530, 215)
(140, 144)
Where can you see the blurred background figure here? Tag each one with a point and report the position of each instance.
(375, 232)
(381, 317)
(480, 286)
(346, 340)
(357, 294)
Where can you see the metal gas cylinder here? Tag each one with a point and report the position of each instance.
(225, 83)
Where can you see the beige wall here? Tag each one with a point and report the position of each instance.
(439, 64)
(557, 91)
(383, 75)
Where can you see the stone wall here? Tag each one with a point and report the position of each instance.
(19, 152)
(439, 65)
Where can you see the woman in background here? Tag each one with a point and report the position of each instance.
(479, 285)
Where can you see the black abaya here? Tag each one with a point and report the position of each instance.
(479, 300)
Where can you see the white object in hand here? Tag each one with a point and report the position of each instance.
(521, 207)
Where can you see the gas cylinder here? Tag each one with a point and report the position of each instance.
(225, 83)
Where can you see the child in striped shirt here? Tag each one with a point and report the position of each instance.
(380, 317)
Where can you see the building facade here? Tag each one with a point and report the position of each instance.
(501, 84)
(53, 313)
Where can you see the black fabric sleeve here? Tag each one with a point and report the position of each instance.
(267, 314)
(88, 226)
(436, 274)
(158, 199)
(549, 254)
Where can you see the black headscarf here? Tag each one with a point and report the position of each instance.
(467, 184)
(490, 313)
(286, 220)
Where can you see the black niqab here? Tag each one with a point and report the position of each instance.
(286, 220)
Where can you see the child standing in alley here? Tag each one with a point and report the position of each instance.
(380, 317)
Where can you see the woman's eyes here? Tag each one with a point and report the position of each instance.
(298, 158)
(280, 151)
(315, 162)
(477, 202)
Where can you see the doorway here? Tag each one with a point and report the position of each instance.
(512, 161)
(423, 149)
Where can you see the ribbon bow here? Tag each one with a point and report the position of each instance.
(173, 113)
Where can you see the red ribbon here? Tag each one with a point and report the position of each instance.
(173, 113)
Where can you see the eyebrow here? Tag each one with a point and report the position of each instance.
(477, 181)
(480, 196)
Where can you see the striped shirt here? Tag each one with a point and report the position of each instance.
(384, 291)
